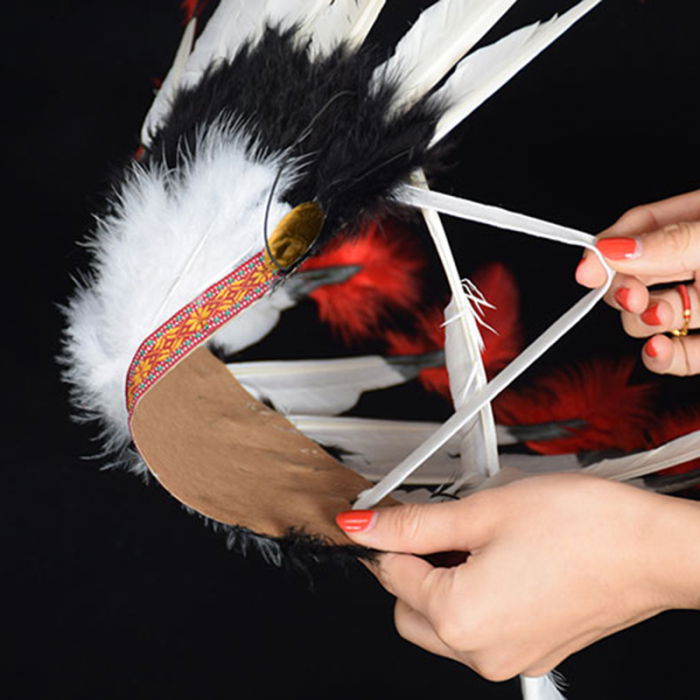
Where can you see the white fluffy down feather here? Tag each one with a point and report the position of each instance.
(164, 242)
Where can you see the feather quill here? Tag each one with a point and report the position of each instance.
(443, 33)
(428, 336)
(484, 72)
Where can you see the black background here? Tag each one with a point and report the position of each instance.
(110, 590)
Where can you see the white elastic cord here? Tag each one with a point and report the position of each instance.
(500, 218)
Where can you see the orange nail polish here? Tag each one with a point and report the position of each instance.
(622, 297)
(651, 316)
(619, 248)
(356, 520)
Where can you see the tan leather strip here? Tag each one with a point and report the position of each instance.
(229, 457)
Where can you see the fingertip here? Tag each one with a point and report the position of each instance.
(638, 299)
(657, 354)
(590, 273)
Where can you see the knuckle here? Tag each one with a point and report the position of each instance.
(409, 520)
(678, 238)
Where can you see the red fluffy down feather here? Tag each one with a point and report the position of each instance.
(500, 289)
(670, 427)
(597, 392)
(390, 260)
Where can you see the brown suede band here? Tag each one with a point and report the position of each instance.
(229, 457)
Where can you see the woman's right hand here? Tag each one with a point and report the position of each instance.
(649, 245)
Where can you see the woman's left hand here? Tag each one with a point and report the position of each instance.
(556, 562)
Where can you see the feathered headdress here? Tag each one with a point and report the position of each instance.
(276, 152)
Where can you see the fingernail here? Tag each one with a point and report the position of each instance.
(619, 248)
(356, 520)
(622, 297)
(649, 348)
(651, 316)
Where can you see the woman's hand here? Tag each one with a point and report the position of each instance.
(556, 562)
(653, 244)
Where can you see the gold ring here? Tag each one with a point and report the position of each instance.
(685, 296)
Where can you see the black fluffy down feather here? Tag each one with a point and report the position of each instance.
(323, 113)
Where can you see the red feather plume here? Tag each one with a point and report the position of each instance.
(597, 392)
(390, 261)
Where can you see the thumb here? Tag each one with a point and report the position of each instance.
(421, 528)
(668, 252)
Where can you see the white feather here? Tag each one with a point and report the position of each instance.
(163, 102)
(373, 447)
(443, 33)
(678, 451)
(233, 23)
(237, 22)
(463, 346)
(345, 20)
(481, 74)
(319, 387)
(142, 249)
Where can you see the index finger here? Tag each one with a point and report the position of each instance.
(641, 219)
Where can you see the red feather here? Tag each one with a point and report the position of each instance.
(670, 427)
(390, 262)
(429, 336)
(499, 288)
(597, 392)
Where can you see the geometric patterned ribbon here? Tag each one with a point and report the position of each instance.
(196, 322)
